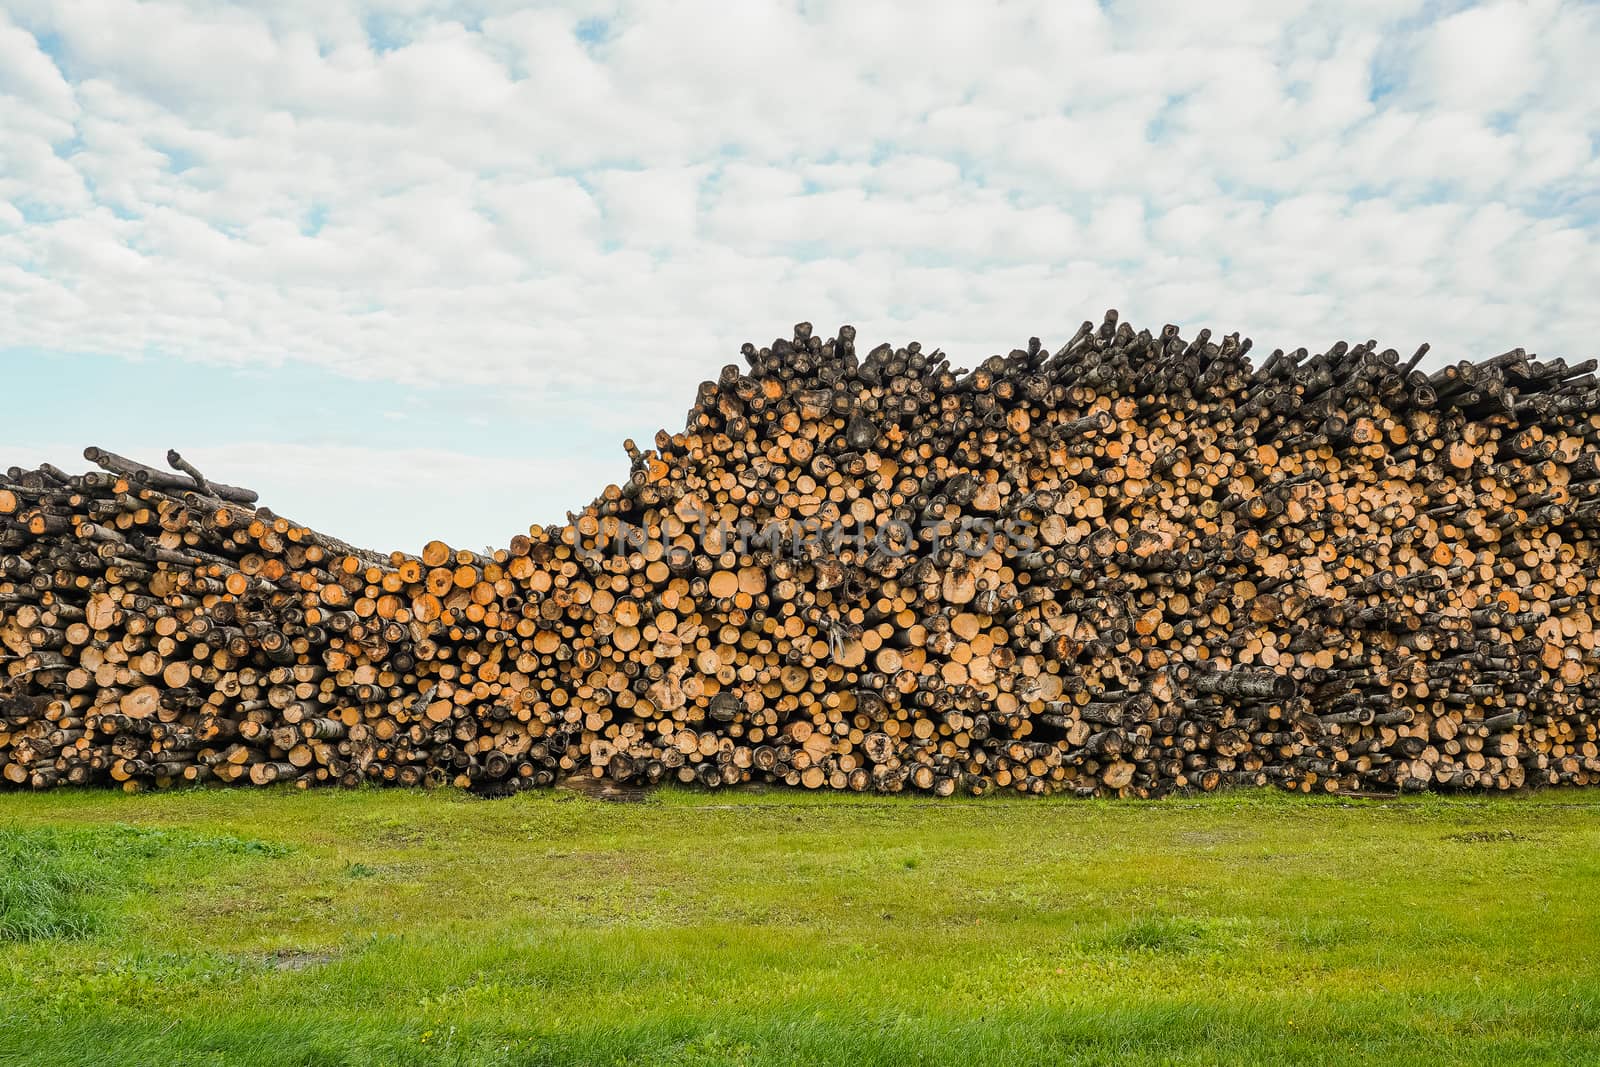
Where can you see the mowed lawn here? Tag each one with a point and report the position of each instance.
(390, 927)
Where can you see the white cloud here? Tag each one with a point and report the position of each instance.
(1484, 58)
(27, 74)
(651, 208)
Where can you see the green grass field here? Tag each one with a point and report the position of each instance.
(413, 928)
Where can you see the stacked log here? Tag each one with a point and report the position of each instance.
(1136, 565)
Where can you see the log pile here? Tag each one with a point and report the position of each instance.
(1137, 565)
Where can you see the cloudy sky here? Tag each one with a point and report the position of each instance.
(415, 268)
